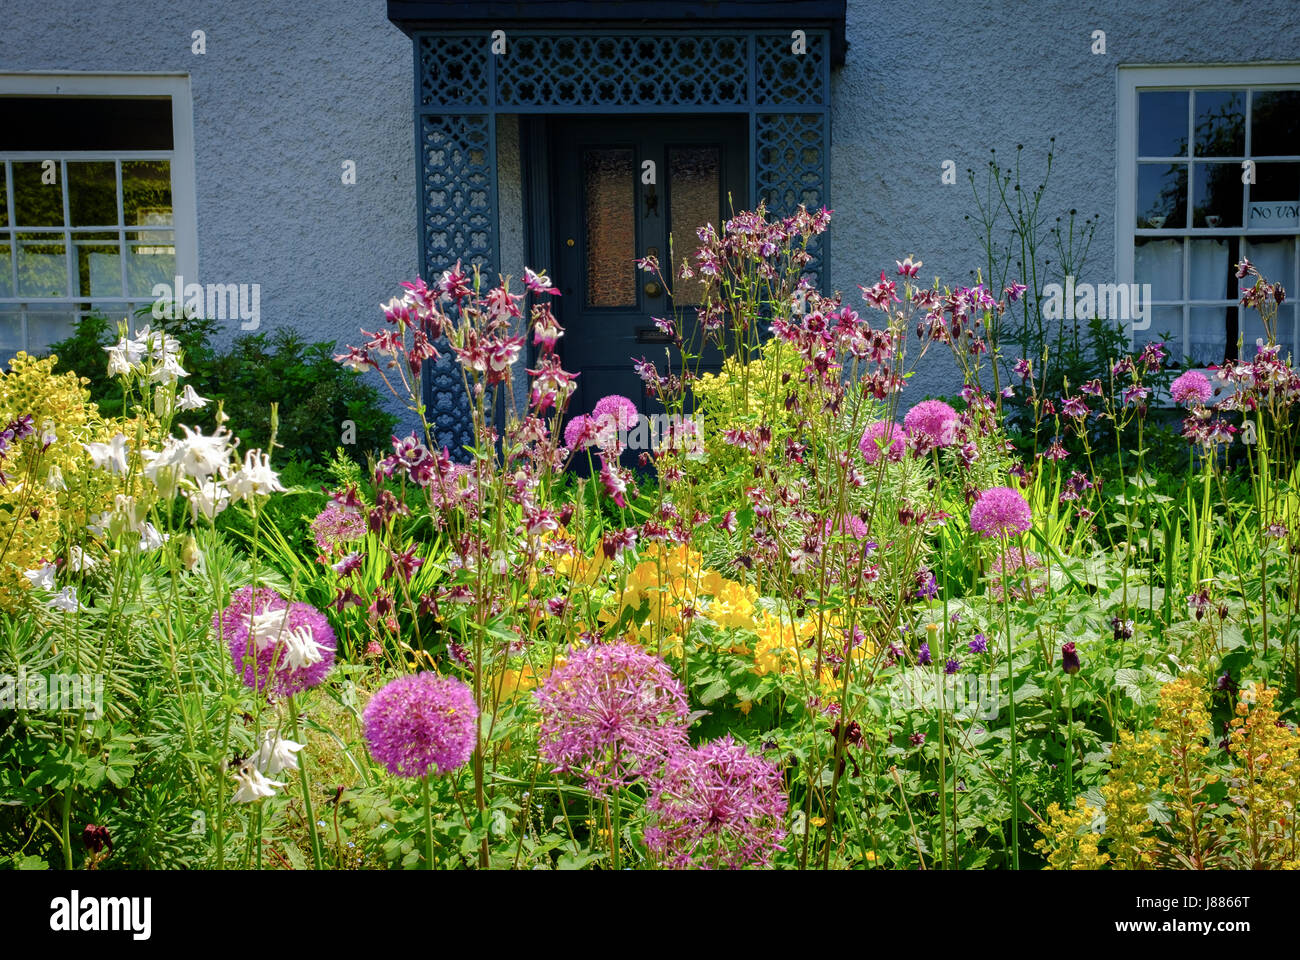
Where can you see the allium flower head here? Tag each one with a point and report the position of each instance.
(335, 526)
(612, 713)
(579, 432)
(1000, 510)
(717, 805)
(882, 433)
(421, 720)
(278, 646)
(622, 410)
(935, 419)
(1192, 387)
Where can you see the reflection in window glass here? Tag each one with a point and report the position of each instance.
(92, 193)
(42, 265)
(1220, 123)
(1275, 123)
(146, 193)
(1218, 195)
(1162, 195)
(37, 204)
(150, 259)
(1162, 123)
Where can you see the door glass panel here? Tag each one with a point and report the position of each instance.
(693, 198)
(610, 191)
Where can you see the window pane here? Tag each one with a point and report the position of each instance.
(1159, 263)
(694, 186)
(1275, 123)
(150, 259)
(4, 197)
(85, 123)
(1274, 257)
(147, 193)
(610, 188)
(1162, 195)
(1211, 275)
(6, 269)
(1166, 327)
(1220, 123)
(11, 332)
(99, 265)
(37, 204)
(42, 266)
(1275, 196)
(1217, 195)
(1209, 333)
(1162, 124)
(1283, 330)
(92, 193)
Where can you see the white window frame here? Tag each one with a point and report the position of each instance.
(1131, 80)
(176, 88)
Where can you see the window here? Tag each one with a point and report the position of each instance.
(96, 199)
(1209, 172)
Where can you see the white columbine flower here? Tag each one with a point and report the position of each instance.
(168, 370)
(301, 649)
(201, 456)
(254, 478)
(48, 435)
(42, 576)
(252, 785)
(208, 500)
(109, 456)
(54, 479)
(276, 754)
(265, 628)
(65, 600)
(150, 538)
(125, 357)
(79, 561)
(189, 400)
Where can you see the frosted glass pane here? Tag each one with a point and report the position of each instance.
(694, 186)
(150, 259)
(610, 191)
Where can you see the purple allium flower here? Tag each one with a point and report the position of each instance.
(1000, 510)
(620, 408)
(612, 713)
(1192, 387)
(1069, 658)
(952, 666)
(935, 419)
(917, 739)
(579, 432)
(1020, 570)
(334, 526)
(717, 805)
(979, 644)
(885, 433)
(421, 720)
(267, 634)
(923, 654)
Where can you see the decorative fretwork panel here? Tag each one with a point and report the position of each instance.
(454, 71)
(791, 168)
(460, 218)
(788, 77)
(623, 71)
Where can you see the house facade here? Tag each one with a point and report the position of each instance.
(290, 165)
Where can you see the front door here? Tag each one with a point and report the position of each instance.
(625, 189)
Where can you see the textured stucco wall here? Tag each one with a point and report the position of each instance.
(931, 81)
(284, 94)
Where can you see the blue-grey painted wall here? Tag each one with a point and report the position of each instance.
(286, 92)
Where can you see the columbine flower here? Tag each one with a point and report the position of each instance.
(1069, 658)
(201, 456)
(1192, 387)
(65, 600)
(1000, 510)
(79, 561)
(254, 479)
(717, 805)
(190, 400)
(265, 631)
(109, 456)
(42, 576)
(276, 754)
(880, 434)
(251, 785)
(150, 538)
(612, 713)
(935, 419)
(421, 721)
(208, 500)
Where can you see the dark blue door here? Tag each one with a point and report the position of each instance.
(625, 189)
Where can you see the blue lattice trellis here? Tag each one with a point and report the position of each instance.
(461, 86)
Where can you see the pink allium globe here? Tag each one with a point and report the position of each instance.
(278, 647)
(1000, 510)
(335, 526)
(935, 419)
(882, 433)
(579, 432)
(1023, 574)
(717, 805)
(620, 408)
(611, 714)
(420, 721)
(1192, 387)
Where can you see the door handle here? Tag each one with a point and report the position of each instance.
(652, 288)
